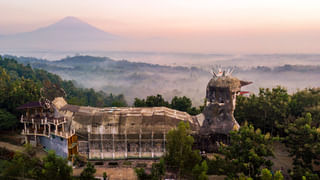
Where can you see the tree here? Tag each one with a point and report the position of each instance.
(156, 101)
(200, 172)
(141, 174)
(267, 175)
(158, 170)
(55, 167)
(139, 102)
(23, 165)
(265, 111)
(303, 142)
(179, 154)
(247, 152)
(105, 176)
(181, 103)
(88, 172)
(7, 120)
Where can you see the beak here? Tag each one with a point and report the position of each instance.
(244, 83)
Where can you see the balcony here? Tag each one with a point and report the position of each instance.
(43, 120)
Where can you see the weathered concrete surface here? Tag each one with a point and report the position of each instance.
(221, 101)
(116, 133)
(113, 133)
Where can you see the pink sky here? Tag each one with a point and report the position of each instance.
(262, 25)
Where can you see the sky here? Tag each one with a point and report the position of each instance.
(291, 26)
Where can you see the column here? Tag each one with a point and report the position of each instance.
(101, 143)
(89, 140)
(113, 148)
(35, 136)
(152, 151)
(164, 142)
(45, 129)
(140, 144)
(126, 142)
(25, 127)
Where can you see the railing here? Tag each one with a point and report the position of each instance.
(43, 120)
(46, 133)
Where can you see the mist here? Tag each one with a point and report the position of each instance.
(139, 79)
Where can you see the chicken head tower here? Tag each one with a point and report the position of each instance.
(217, 120)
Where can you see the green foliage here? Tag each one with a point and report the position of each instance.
(152, 101)
(7, 120)
(179, 154)
(20, 84)
(141, 174)
(179, 103)
(200, 172)
(78, 161)
(278, 176)
(104, 176)
(265, 110)
(158, 170)
(88, 172)
(24, 165)
(247, 152)
(55, 167)
(303, 141)
(267, 175)
(272, 111)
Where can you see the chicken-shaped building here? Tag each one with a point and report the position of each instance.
(131, 132)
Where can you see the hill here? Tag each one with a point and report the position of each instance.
(20, 84)
(135, 79)
(68, 33)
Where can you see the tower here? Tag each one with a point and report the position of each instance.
(217, 116)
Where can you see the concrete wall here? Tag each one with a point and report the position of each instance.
(56, 143)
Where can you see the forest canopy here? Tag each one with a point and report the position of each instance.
(20, 84)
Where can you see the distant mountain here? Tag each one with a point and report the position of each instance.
(69, 33)
(136, 79)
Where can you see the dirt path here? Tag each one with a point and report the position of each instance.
(40, 153)
(113, 173)
(11, 146)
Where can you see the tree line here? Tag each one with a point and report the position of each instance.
(179, 103)
(20, 84)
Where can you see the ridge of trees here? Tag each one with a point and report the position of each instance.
(179, 103)
(20, 84)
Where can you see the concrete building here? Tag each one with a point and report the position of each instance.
(119, 133)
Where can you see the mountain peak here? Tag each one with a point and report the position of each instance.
(71, 26)
(71, 20)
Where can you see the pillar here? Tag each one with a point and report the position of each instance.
(89, 140)
(152, 151)
(35, 136)
(126, 143)
(45, 129)
(164, 142)
(113, 148)
(101, 143)
(25, 127)
(140, 144)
